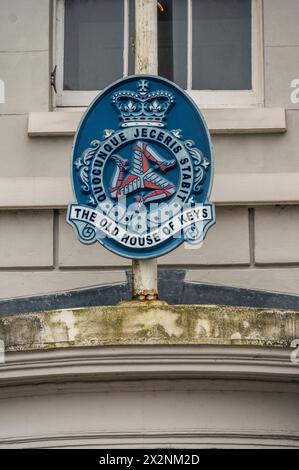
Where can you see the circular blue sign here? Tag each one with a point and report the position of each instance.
(142, 169)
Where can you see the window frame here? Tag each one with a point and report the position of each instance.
(204, 98)
(79, 98)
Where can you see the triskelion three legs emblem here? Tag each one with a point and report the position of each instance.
(142, 175)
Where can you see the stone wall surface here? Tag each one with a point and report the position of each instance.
(150, 376)
(149, 323)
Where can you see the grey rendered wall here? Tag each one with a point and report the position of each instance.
(255, 247)
(199, 396)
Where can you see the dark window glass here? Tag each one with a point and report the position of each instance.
(221, 43)
(221, 49)
(93, 43)
(172, 40)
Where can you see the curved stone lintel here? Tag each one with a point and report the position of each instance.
(154, 375)
(126, 363)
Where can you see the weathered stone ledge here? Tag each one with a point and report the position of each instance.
(149, 324)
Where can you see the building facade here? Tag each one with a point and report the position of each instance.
(254, 134)
(200, 376)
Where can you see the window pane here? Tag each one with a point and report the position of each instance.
(131, 59)
(172, 40)
(93, 43)
(221, 50)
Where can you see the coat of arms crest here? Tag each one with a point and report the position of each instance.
(141, 186)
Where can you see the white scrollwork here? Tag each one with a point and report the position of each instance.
(83, 163)
(88, 233)
(200, 163)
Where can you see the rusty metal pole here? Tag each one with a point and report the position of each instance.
(145, 283)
